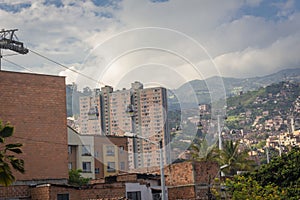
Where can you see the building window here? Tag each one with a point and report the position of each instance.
(134, 195)
(69, 149)
(111, 167)
(97, 170)
(86, 167)
(110, 150)
(70, 165)
(122, 166)
(121, 148)
(86, 150)
(62, 196)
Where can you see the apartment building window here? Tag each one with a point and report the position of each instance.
(110, 150)
(134, 195)
(86, 150)
(86, 167)
(111, 167)
(122, 166)
(97, 170)
(69, 149)
(70, 165)
(63, 196)
(121, 148)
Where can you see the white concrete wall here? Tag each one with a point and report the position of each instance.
(146, 193)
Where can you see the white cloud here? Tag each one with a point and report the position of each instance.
(283, 53)
(72, 34)
(285, 8)
(253, 3)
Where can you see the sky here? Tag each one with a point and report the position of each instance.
(158, 42)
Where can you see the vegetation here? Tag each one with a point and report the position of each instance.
(275, 99)
(201, 151)
(241, 187)
(235, 159)
(76, 179)
(230, 156)
(7, 157)
(280, 179)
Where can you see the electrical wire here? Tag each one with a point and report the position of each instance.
(66, 67)
(20, 66)
(43, 141)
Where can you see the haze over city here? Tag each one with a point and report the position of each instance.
(118, 42)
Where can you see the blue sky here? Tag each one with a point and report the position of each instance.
(191, 39)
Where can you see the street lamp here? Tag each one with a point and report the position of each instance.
(131, 112)
(161, 162)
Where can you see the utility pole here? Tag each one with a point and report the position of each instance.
(161, 161)
(219, 132)
(268, 158)
(9, 40)
(132, 113)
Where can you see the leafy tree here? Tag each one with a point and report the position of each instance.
(201, 151)
(7, 158)
(76, 179)
(283, 171)
(241, 187)
(235, 159)
(280, 179)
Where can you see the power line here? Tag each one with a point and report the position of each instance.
(66, 67)
(20, 66)
(43, 141)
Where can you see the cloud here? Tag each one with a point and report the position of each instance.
(253, 3)
(88, 37)
(283, 53)
(285, 8)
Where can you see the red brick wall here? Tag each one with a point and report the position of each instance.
(47, 192)
(104, 191)
(74, 194)
(204, 170)
(39, 193)
(179, 174)
(183, 192)
(14, 191)
(36, 106)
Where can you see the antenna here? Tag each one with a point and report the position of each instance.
(9, 40)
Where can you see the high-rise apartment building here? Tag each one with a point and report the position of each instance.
(89, 119)
(120, 122)
(148, 118)
(105, 109)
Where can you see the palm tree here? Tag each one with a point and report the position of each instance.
(235, 159)
(7, 159)
(201, 151)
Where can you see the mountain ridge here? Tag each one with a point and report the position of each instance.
(232, 86)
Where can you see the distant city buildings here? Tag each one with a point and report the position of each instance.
(106, 112)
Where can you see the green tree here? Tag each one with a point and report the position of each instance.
(76, 179)
(280, 179)
(283, 172)
(201, 151)
(7, 157)
(235, 159)
(241, 187)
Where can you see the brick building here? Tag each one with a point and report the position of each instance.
(188, 180)
(36, 106)
(114, 188)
